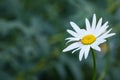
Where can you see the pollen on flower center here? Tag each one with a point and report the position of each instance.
(88, 39)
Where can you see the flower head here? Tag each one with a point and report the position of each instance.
(91, 37)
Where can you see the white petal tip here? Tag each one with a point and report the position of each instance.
(67, 30)
(114, 34)
(101, 18)
(71, 22)
(94, 15)
(106, 22)
(64, 50)
(86, 19)
(85, 57)
(99, 49)
(80, 59)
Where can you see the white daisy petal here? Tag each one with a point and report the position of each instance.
(99, 24)
(109, 35)
(80, 45)
(100, 30)
(76, 50)
(75, 27)
(87, 24)
(87, 51)
(104, 25)
(102, 41)
(70, 41)
(72, 38)
(72, 46)
(105, 34)
(104, 28)
(108, 31)
(96, 47)
(98, 42)
(94, 22)
(81, 53)
(72, 33)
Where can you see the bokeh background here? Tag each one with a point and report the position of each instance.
(32, 34)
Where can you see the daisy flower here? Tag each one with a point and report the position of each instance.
(91, 37)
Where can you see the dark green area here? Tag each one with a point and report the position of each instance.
(32, 34)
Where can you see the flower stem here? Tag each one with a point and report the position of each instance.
(94, 64)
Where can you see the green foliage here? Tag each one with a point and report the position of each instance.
(32, 34)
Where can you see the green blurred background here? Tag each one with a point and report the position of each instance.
(32, 34)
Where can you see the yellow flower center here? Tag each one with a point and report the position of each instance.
(88, 39)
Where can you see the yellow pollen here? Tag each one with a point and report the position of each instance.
(88, 39)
